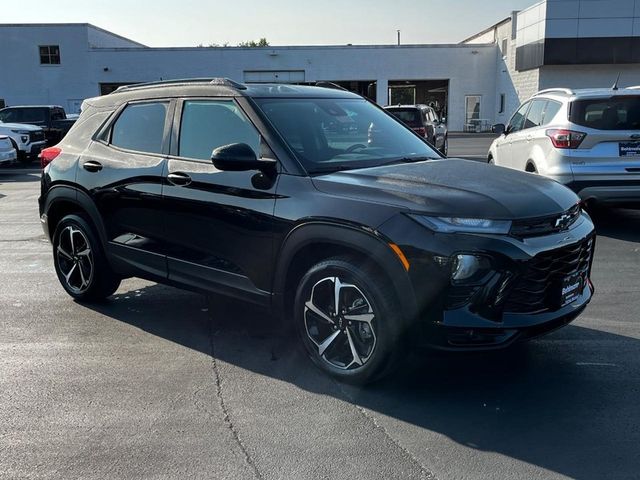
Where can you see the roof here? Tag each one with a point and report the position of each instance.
(590, 92)
(33, 106)
(71, 24)
(216, 87)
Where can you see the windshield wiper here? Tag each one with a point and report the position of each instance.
(407, 160)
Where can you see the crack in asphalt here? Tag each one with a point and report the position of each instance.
(223, 406)
(428, 475)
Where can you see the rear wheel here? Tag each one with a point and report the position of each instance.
(79, 261)
(445, 147)
(490, 160)
(347, 319)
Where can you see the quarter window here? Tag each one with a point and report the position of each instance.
(49, 54)
(140, 127)
(207, 125)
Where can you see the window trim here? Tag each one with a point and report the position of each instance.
(49, 55)
(104, 134)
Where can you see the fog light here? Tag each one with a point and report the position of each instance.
(24, 138)
(467, 267)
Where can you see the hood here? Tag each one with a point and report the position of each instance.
(20, 126)
(453, 187)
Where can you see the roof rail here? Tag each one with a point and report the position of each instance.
(335, 86)
(183, 81)
(568, 91)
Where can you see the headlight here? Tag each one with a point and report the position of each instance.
(464, 225)
(21, 132)
(24, 138)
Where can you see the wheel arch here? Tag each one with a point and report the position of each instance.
(64, 200)
(310, 243)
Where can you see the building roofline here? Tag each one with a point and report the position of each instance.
(73, 24)
(486, 30)
(142, 45)
(301, 47)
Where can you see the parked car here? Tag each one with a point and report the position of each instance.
(27, 140)
(425, 122)
(7, 151)
(51, 118)
(588, 140)
(364, 244)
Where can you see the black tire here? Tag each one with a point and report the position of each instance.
(85, 276)
(490, 160)
(445, 147)
(22, 157)
(378, 356)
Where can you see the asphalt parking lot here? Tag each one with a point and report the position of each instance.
(161, 383)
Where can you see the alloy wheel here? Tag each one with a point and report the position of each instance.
(340, 322)
(74, 258)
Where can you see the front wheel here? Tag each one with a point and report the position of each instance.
(348, 321)
(79, 261)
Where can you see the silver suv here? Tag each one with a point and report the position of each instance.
(589, 140)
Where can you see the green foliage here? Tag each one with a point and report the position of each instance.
(252, 43)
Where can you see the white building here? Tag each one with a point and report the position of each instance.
(480, 81)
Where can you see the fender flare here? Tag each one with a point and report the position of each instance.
(69, 194)
(364, 242)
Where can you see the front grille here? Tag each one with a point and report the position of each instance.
(534, 227)
(536, 287)
(36, 136)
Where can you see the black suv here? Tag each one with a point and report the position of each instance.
(362, 239)
(424, 120)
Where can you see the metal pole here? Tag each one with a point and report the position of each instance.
(398, 36)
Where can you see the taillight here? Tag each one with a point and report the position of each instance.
(47, 155)
(420, 131)
(562, 138)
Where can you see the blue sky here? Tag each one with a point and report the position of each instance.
(283, 22)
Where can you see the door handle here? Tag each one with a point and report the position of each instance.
(529, 138)
(92, 166)
(179, 179)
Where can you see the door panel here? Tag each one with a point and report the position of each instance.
(219, 229)
(126, 187)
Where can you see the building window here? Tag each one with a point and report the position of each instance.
(503, 100)
(505, 46)
(49, 55)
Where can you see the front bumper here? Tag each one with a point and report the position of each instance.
(35, 148)
(8, 156)
(498, 311)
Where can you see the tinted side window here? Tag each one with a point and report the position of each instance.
(536, 114)
(517, 121)
(207, 125)
(140, 127)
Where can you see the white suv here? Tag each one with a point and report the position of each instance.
(588, 140)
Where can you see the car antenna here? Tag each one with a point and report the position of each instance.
(615, 85)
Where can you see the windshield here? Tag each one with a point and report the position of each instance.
(342, 134)
(615, 113)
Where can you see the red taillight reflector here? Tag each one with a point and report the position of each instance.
(562, 138)
(48, 155)
(420, 131)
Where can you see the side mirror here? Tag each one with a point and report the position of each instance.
(499, 128)
(239, 157)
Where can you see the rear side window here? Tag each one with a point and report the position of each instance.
(207, 125)
(536, 114)
(615, 113)
(140, 127)
(410, 116)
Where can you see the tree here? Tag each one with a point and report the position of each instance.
(252, 43)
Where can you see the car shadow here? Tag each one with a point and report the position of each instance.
(618, 223)
(537, 403)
